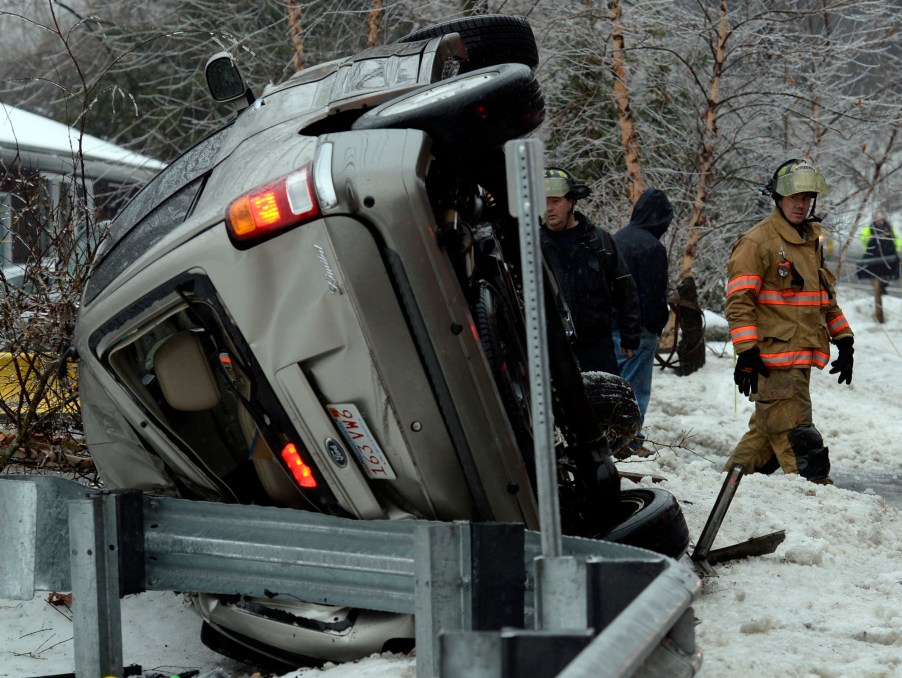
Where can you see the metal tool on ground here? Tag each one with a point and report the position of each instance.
(703, 558)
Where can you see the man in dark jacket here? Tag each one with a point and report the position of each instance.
(640, 244)
(592, 276)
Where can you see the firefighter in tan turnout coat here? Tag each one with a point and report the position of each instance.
(783, 314)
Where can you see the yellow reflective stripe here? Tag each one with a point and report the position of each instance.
(747, 333)
(777, 298)
(744, 282)
(837, 325)
(803, 358)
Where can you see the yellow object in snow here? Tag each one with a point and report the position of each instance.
(22, 374)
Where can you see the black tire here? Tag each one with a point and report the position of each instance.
(467, 114)
(252, 652)
(614, 406)
(490, 39)
(651, 519)
(506, 354)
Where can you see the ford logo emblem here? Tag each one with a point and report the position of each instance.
(336, 452)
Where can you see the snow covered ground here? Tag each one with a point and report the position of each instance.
(827, 603)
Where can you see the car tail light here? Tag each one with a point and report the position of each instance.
(302, 473)
(276, 207)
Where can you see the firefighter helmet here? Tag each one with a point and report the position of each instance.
(796, 176)
(561, 184)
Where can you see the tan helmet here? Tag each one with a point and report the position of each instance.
(796, 176)
(561, 184)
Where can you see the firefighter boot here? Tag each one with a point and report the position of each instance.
(812, 457)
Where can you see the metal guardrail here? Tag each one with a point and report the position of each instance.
(471, 586)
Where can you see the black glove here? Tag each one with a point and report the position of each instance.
(748, 366)
(843, 362)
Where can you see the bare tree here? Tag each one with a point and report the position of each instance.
(374, 23)
(296, 31)
(53, 235)
(628, 135)
(702, 100)
(721, 95)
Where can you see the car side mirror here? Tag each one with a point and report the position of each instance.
(224, 80)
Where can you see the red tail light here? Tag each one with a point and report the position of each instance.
(302, 473)
(273, 208)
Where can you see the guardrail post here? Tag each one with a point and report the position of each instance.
(561, 593)
(524, 160)
(35, 553)
(644, 620)
(510, 653)
(94, 550)
(468, 576)
(611, 585)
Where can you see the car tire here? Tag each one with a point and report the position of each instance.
(614, 406)
(469, 114)
(490, 39)
(651, 518)
(252, 652)
(507, 359)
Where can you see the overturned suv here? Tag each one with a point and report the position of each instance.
(317, 307)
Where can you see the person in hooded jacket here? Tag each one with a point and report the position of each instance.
(591, 275)
(640, 245)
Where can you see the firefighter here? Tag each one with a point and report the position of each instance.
(783, 313)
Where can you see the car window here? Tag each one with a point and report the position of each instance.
(185, 170)
(161, 205)
(212, 430)
(33, 279)
(158, 208)
(140, 238)
(14, 278)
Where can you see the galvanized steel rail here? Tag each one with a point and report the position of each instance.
(420, 567)
(207, 547)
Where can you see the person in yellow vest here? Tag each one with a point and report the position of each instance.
(882, 247)
(782, 310)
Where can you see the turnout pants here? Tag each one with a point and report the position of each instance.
(783, 402)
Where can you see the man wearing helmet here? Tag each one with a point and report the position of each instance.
(783, 313)
(592, 276)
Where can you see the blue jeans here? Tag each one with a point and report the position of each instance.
(638, 369)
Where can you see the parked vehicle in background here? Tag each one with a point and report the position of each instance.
(57, 184)
(317, 307)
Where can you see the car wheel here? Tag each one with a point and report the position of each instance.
(251, 652)
(506, 356)
(652, 519)
(490, 39)
(614, 406)
(468, 114)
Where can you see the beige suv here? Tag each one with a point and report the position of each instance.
(317, 307)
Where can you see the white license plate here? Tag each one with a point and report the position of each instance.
(358, 436)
